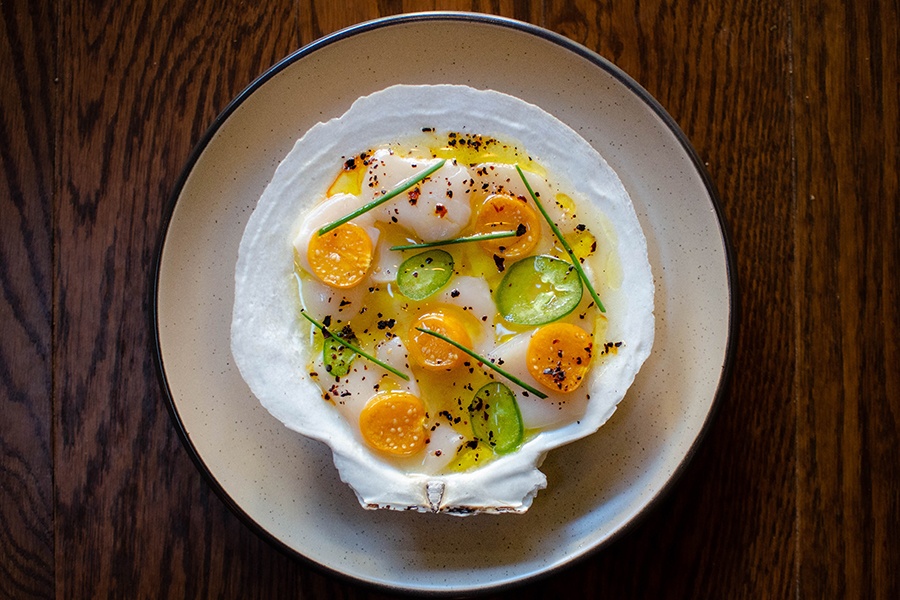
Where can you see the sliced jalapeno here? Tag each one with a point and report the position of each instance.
(538, 290)
(337, 357)
(495, 417)
(424, 274)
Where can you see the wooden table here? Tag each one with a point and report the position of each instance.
(792, 106)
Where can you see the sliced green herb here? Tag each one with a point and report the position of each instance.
(398, 189)
(485, 362)
(471, 455)
(538, 290)
(479, 237)
(495, 417)
(338, 357)
(327, 334)
(562, 240)
(424, 274)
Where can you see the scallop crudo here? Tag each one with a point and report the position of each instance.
(442, 296)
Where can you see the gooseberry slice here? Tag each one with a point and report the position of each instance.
(432, 352)
(501, 212)
(538, 290)
(342, 257)
(394, 423)
(495, 417)
(424, 274)
(559, 356)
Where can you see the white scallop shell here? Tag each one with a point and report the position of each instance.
(272, 352)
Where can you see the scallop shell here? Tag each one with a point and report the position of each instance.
(272, 352)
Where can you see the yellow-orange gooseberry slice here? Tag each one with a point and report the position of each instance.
(559, 355)
(394, 422)
(342, 257)
(433, 353)
(501, 212)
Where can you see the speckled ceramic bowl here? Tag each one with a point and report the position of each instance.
(283, 485)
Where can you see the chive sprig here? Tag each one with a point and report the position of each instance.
(575, 262)
(327, 333)
(478, 237)
(399, 189)
(484, 361)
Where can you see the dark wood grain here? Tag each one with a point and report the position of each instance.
(722, 72)
(848, 255)
(793, 107)
(324, 17)
(27, 181)
(140, 83)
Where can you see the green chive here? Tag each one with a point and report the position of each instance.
(575, 262)
(345, 343)
(399, 189)
(484, 361)
(461, 240)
